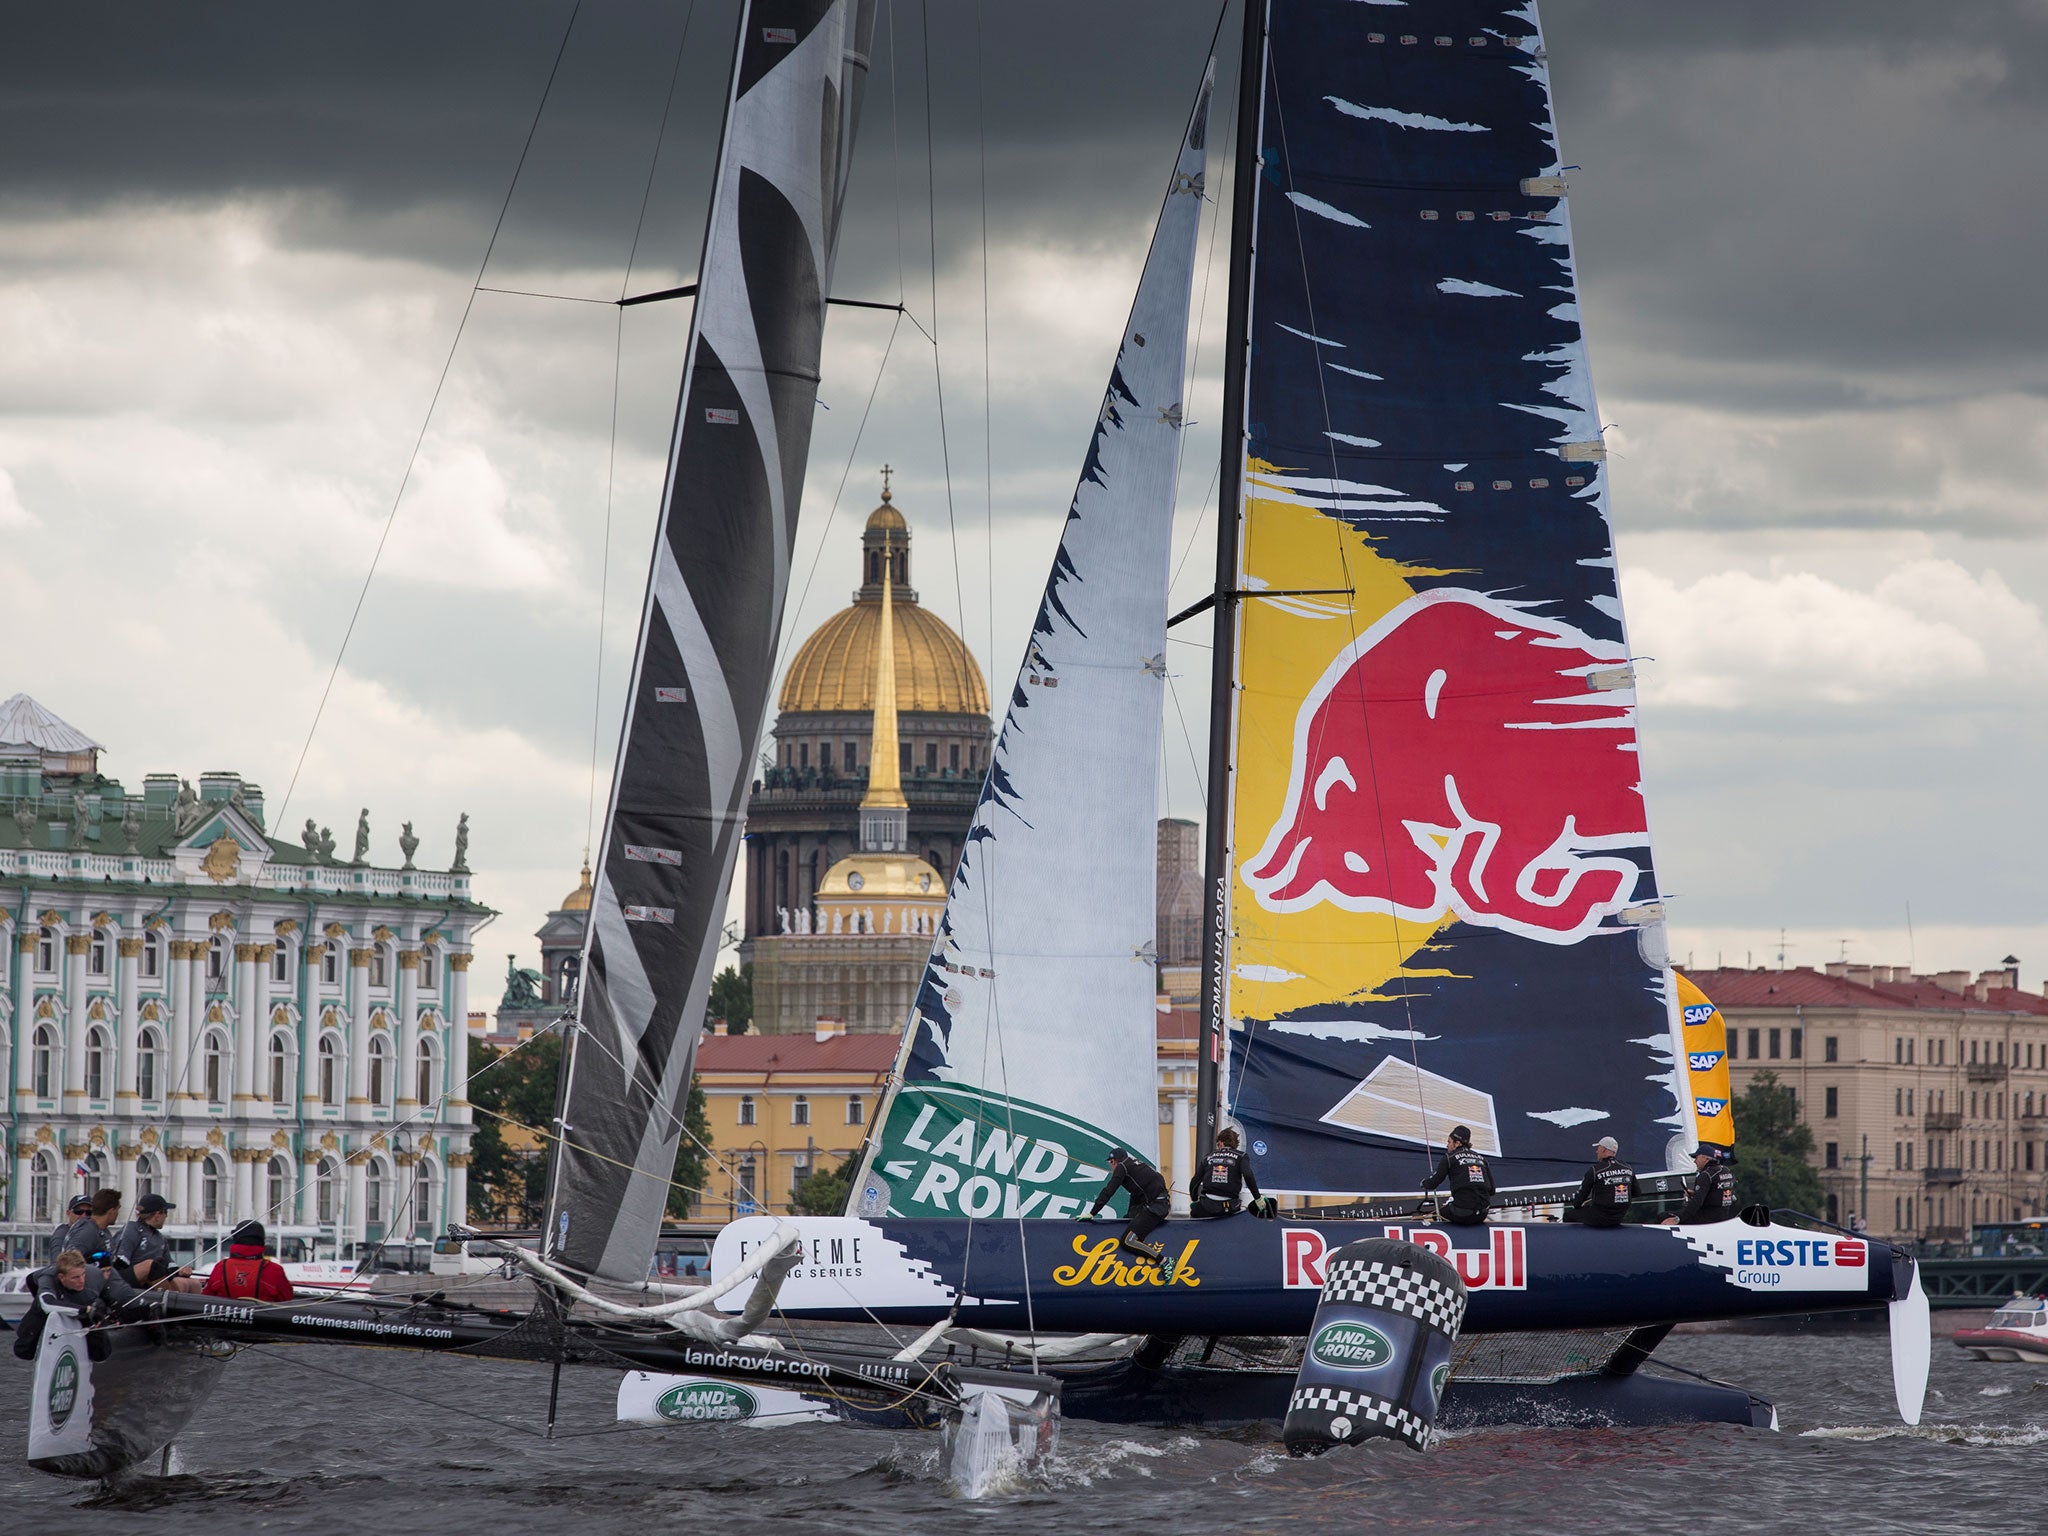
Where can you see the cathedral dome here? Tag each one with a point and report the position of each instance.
(834, 672)
(578, 900)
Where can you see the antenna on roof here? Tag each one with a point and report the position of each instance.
(1783, 945)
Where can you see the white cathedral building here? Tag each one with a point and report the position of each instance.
(247, 1026)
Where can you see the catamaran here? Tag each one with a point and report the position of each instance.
(1430, 893)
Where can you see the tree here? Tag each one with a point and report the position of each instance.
(732, 998)
(509, 1156)
(1772, 1150)
(693, 1162)
(824, 1193)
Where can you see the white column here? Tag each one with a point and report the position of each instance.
(359, 1029)
(457, 1107)
(259, 1024)
(1183, 1152)
(353, 1225)
(124, 1175)
(178, 1169)
(310, 1010)
(309, 1187)
(18, 1190)
(247, 1024)
(179, 998)
(456, 1195)
(128, 981)
(243, 1207)
(75, 947)
(23, 1027)
(408, 1032)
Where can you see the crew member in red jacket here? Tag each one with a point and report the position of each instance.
(245, 1273)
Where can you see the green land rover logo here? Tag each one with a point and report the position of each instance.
(1350, 1347)
(1437, 1380)
(63, 1388)
(702, 1401)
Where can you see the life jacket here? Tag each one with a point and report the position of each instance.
(1614, 1184)
(1223, 1175)
(1469, 1173)
(243, 1277)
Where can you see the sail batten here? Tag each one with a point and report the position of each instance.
(1030, 1051)
(1441, 904)
(704, 663)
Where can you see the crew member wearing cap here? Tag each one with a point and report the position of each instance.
(94, 1231)
(1470, 1179)
(1149, 1201)
(1604, 1194)
(142, 1247)
(79, 1208)
(1711, 1194)
(246, 1273)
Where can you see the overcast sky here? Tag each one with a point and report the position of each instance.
(237, 242)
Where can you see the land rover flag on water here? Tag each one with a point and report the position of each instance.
(708, 632)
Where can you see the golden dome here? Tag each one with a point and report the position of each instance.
(835, 670)
(886, 516)
(871, 877)
(578, 900)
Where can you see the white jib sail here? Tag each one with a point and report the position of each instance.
(1031, 1050)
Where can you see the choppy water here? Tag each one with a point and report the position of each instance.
(447, 1444)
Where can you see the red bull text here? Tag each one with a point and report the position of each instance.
(1503, 1265)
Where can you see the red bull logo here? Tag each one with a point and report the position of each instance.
(1502, 1265)
(1463, 755)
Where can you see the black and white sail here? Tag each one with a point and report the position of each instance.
(708, 633)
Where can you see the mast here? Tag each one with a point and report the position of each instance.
(1229, 519)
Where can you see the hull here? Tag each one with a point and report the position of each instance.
(94, 1417)
(2004, 1344)
(1244, 1276)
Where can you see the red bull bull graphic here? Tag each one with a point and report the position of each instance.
(1514, 774)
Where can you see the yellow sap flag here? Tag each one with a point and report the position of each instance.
(1706, 1063)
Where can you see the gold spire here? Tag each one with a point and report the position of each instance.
(885, 774)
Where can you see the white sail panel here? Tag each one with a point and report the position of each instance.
(1041, 987)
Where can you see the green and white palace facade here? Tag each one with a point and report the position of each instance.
(247, 1025)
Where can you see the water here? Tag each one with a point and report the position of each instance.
(449, 1444)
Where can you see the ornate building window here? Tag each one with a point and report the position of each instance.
(425, 1072)
(96, 955)
(148, 1175)
(46, 951)
(747, 1111)
(423, 1196)
(430, 968)
(42, 1171)
(148, 1061)
(95, 1175)
(281, 963)
(374, 1197)
(42, 1061)
(379, 1076)
(217, 962)
(212, 1187)
(800, 1111)
(327, 1069)
(280, 1070)
(324, 1181)
(153, 955)
(213, 1062)
(330, 963)
(98, 1051)
(277, 1192)
(380, 965)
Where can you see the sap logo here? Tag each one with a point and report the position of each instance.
(1803, 1252)
(1503, 1265)
(1698, 1013)
(1709, 1107)
(1704, 1061)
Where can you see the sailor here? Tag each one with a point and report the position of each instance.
(71, 1283)
(1711, 1194)
(93, 1231)
(142, 1247)
(1218, 1178)
(1603, 1195)
(1149, 1201)
(1470, 1179)
(246, 1273)
(79, 1208)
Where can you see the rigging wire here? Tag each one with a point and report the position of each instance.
(412, 459)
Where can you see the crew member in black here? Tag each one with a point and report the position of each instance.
(1711, 1195)
(1149, 1201)
(79, 1208)
(1470, 1178)
(1605, 1192)
(1217, 1180)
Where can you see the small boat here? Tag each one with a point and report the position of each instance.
(2017, 1331)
